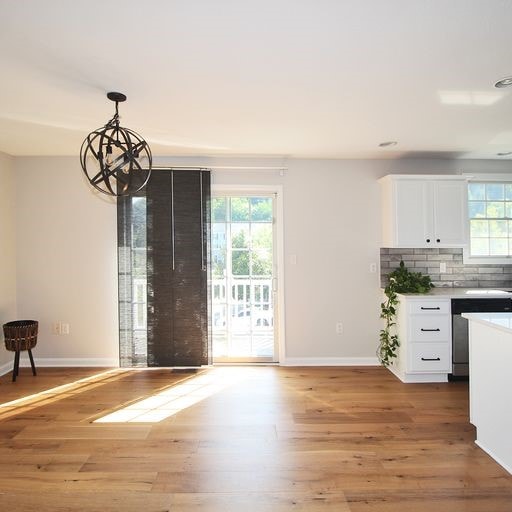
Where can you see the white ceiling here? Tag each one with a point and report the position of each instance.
(303, 78)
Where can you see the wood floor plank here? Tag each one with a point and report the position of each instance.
(462, 500)
(181, 502)
(79, 431)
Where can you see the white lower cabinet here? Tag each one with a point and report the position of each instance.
(424, 331)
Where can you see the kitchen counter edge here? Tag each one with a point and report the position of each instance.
(462, 293)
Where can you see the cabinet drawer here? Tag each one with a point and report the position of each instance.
(429, 328)
(429, 357)
(429, 307)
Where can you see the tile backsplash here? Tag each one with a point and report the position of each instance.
(427, 261)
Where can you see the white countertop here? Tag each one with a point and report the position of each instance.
(467, 293)
(501, 321)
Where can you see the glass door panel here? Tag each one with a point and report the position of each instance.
(242, 278)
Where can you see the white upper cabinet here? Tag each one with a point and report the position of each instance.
(424, 211)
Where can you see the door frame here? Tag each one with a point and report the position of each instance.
(279, 318)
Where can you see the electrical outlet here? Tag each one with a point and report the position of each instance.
(64, 328)
(339, 328)
(373, 268)
(442, 267)
(56, 328)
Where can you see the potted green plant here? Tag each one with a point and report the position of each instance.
(401, 280)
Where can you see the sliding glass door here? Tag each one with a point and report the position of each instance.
(243, 278)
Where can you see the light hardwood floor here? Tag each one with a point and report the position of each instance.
(257, 439)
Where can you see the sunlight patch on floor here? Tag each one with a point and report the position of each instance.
(59, 392)
(170, 401)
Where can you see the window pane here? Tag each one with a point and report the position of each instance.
(240, 236)
(218, 263)
(219, 314)
(262, 263)
(495, 210)
(498, 228)
(257, 293)
(476, 209)
(219, 209)
(139, 222)
(491, 201)
(261, 209)
(239, 209)
(139, 262)
(498, 246)
(261, 236)
(240, 263)
(495, 191)
(479, 228)
(476, 191)
(238, 294)
(218, 235)
(480, 247)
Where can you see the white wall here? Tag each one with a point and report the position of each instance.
(67, 266)
(332, 225)
(67, 252)
(331, 211)
(7, 249)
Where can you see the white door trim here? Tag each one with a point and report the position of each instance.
(279, 249)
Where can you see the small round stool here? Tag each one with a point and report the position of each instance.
(21, 335)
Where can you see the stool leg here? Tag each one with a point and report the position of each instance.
(32, 362)
(16, 368)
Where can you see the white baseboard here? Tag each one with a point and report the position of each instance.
(330, 361)
(70, 361)
(418, 378)
(114, 363)
(6, 368)
(491, 454)
(61, 362)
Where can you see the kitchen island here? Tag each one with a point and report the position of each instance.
(490, 392)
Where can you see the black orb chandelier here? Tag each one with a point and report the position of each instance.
(116, 161)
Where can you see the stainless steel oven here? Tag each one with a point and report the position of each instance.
(460, 336)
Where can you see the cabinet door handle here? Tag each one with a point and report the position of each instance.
(431, 359)
(430, 308)
(438, 240)
(430, 330)
(428, 240)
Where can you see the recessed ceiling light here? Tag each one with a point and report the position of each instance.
(504, 82)
(505, 153)
(388, 143)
